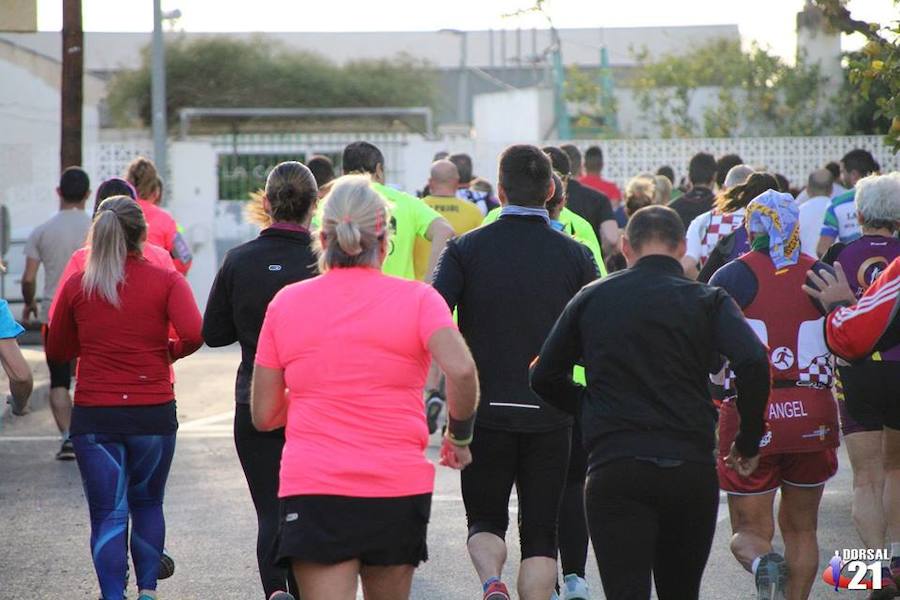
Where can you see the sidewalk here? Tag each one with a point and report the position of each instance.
(39, 401)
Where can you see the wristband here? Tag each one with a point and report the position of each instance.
(460, 432)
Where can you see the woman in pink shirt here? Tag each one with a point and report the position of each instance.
(356, 494)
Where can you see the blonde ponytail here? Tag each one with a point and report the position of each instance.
(118, 228)
(354, 224)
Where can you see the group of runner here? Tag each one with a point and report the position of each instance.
(531, 380)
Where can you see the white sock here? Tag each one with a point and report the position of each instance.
(755, 564)
(895, 549)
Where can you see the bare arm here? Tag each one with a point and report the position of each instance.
(824, 244)
(439, 233)
(19, 373)
(609, 236)
(452, 355)
(29, 284)
(268, 399)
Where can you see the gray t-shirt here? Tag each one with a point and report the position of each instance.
(52, 243)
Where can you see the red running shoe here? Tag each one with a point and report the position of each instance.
(497, 591)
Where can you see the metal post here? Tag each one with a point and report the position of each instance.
(463, 99)
(158, 91)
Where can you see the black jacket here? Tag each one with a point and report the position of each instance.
(648, 338)
(251, 275)
(693, 204)
(589, 204)
(509, 281)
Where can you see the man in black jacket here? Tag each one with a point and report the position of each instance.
(509, 281)
(589, 204)
(702, 174)
(648, 338)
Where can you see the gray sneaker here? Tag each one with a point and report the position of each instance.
(66, 451)
(771, 577)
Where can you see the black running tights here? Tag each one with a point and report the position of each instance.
(260, 456)
(648, 520)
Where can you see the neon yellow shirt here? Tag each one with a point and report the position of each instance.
(575, 226)
(462, 215)
(410, 219)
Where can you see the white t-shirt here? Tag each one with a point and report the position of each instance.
(836, 190)
(812, 214)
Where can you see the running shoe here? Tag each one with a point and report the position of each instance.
(496, 591)
(574, 588)
(166, 566)
(771, 577)
(433, 407)
(554, 595)
(66, 451)
(281, 596)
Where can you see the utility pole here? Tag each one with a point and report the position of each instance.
(72, 85)
(158, 91)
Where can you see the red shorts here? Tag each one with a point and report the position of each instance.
(802, 469)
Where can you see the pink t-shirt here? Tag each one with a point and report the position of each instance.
(353, 344)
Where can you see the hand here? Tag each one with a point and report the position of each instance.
(455, 457)
(743, 466)
(29, 309)
(832, 289)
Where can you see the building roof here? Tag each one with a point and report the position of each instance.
(106, 51)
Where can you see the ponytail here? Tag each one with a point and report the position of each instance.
(117, 230)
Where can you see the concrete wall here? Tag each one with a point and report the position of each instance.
(514, 115)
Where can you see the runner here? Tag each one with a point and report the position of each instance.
(640, 191)
(482, 200)
(51, 244)
(589, 204)
(647, 336)
(819, 192)
(508, 281)
(14, 364)
(115, 318)
(840, 222)
(726, 248)
(462, 215)
(410, 217)
(798, 451)
(249, 278)
(592, 178)
(323, 170)
(356, 493)
(700, 198)
(162, 230)
(704, 232)
(869, 384)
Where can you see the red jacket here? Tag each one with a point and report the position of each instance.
(124, 353)
(854, 332)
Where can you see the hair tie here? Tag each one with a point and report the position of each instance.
(346, 219)
(379, 223)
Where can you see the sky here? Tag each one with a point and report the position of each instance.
(768, 22)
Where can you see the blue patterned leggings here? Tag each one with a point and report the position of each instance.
(125, 474)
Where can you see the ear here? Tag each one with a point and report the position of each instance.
(681, 249)
(628, 251)
(267, 206)
(501, 195)
(551, 191)
(323, 240)
(379, 173)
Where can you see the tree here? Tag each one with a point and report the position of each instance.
(226, 72)
(874, 72)
(757, 93)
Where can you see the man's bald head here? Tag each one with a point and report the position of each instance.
(820, 183)
(444, 178)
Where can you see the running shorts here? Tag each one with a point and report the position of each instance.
(332, 529)
(801, 469)
(871, 393)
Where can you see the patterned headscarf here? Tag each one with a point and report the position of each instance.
(776, 216)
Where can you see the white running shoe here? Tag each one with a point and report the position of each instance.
(574, 588)
(771, 577)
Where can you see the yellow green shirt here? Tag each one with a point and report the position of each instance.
(575, 226)
(462, 215)
(410, 219)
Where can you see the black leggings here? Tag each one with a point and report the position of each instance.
(573, 529)
(646, 519)
(260, 456)
(536, 463)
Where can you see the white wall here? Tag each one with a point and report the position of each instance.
(513, 115)
(193, 204)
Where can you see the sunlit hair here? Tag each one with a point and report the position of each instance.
(739, 196)
(292, 192)
(118, 229)
(354, 224)
(142, 174)
(878, 201)
(663, 192)
(639, 192)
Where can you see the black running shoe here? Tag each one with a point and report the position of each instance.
(166, 566)
(66, 451)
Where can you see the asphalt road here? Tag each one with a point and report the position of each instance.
(44, 526)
